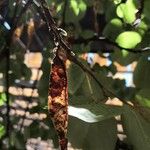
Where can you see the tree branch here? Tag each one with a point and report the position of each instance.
(109, 46)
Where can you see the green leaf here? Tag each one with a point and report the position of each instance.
(75, 78)
(141, 76)
(127, 11)
(136, 129)
(122, 59)
(143, 97)
(96, 136)
(78, 6)
(82, 5)
(130, 11)
(2, 98)
(120, 10)
(113, 28)
(94, 112)
(87, 34)
(59, 7)
(80, 100)
(90, 88)
(125, 53)
(2, 130)
(142, 28)
(75, 7)
(109, 10)
(44, 80)
(117, 1)
(128, 39)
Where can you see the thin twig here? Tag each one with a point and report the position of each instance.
(110, 44)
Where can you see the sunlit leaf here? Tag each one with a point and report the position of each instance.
(94, 112)
(117, 1)
(125, 53)
(2, 130)
(2, 98)
(109, 9)
(82, 5)
(75, 7)
(127, 11)
(75, 10)
(59, 7)
(120, 10)
(130, 11)
(128, 39)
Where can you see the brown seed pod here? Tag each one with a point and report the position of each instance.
(58, 98)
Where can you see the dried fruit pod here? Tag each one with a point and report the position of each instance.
(58, 97)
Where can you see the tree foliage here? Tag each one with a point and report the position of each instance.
(118, 29)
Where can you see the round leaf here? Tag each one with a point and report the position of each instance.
(128, 39)
(120, 10)
(130, 11)
(127, 11)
